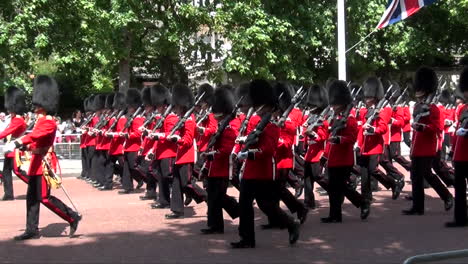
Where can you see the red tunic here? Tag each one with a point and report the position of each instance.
(373, 144)
(460, 145)
(16, 128)
(116, 145)
(219, 167)
(106, 141)
(91, 140)
(316, 147)
(426, 142)
(407, 119)
(186, 144)
(165, 148)
(284, 153)
(263, 166)
(397, 124)
(40, 140)
(133, 142)
(342, 155)
(210, 125)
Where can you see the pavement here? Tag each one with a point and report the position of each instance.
(121, 228)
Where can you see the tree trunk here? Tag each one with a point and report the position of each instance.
(124, 63)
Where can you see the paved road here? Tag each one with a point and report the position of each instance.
(119, 228)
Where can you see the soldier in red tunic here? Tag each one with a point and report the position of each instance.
(116, 126)
(427, 128)
(340, 152)
(315, 139)
(132, 136)
(218, 161)
(460, 158)
(98, 162)
(45, 100)
(16, 106)
(163, 151)
(259, 174)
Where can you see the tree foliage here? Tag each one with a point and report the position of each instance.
(89, 44)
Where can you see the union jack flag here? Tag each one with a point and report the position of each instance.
(398, 10)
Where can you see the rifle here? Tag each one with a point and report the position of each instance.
(203, 117)
(119, 115)
(438, 93)
(314, 121)
(150, 118)
(382, 103)
(400, 98)
(340, 124)
(130, 120)
(187, 115)
(425, 109)
(254, 135)
(161, 120)
(223, 124)
(245, 122)
(87, 121)
(105, 120)
(296, 100)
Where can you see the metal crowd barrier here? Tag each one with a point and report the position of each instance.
(439, 256)
(67, 146)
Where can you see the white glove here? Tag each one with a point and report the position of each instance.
(461, 132)
(174, 138)
(241, 140)
(9, 147)
(243, 155)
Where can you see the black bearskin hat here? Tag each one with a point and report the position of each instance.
(86, 105)
(146, 96)
(15, 100)
(182, 96)
(208, 91)
(261, 93)
(284, 92)
(243, 92)
(99, 102)
(446, 97)
(46, 93)
(109, 101)
(119, 101)
(463, 83)
(224, 100)
(160, 95)
(373, 88)
(317, 97)
(425, 80)
(133, 98)
(339, 94)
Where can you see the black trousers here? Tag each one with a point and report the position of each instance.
(336, 191)
(420, 170)
(90, 155)
(395, 154)
(350, 192)
(117, 163)
(368, 170)
(98, 164)
(182, 175)
(445, 146)
(129, 172)
(163, 169)
(108, 169)
(219, 200)
(445, 173)
(461, 174)
(311, 175)
(84, 163)
(407, 138)
(386, 162)
(39, 192)
(144, 169)
(263, 191)
(293, 204)
(8, 178)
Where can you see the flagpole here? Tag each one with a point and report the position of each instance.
(341, 40)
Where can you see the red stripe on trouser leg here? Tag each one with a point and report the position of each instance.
(45, 195)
